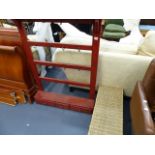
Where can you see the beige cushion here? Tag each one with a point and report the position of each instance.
(147, 48)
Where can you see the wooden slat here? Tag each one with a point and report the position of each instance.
(9, 31)
(9, 49)
(65, 81)
(12, 84)
(73, 66)
(65, 102)
(60, 45)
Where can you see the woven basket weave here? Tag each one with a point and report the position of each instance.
(107, 117)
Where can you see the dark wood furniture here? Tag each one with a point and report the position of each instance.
(16, 81)
(146, 22)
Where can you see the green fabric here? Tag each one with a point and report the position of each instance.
(112, 35)
(114, 21)
(114, 28)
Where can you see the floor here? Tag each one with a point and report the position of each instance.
(126, 117)
(35, 119)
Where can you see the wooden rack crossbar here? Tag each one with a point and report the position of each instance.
(65, 81)
(63, 101)
(60, 45)
(73, 66)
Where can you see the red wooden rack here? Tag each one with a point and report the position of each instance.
(60, 100)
